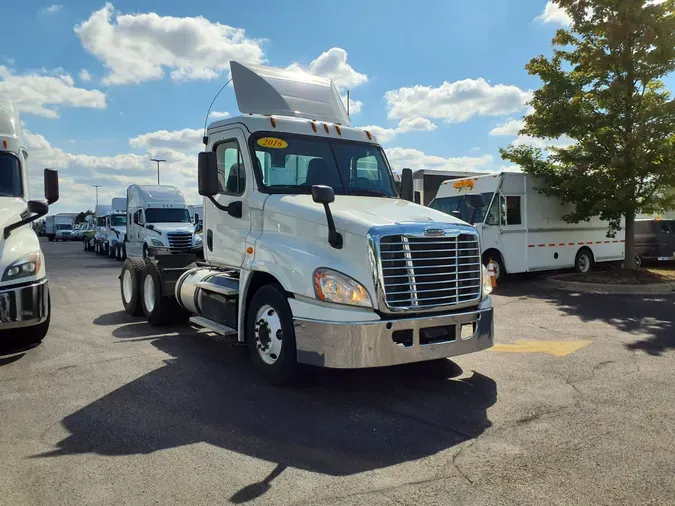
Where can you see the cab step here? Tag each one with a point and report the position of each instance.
(216, 327)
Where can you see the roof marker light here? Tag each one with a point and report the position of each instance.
(370, 137)
(325, 127)
(313, 126)
(337, 129)
(274, 123)
(4, 143)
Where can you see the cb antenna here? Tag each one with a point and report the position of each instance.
(205, 138)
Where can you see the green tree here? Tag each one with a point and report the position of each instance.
(602, 90)
(82, 215)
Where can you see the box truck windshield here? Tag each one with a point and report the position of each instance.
(10, 176)
(294, 163)
(64, 226)
(118, 220)
(458, 203)
(167, 215)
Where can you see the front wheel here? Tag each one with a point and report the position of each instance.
(497, 264)
(271, 336)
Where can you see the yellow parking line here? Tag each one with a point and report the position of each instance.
(555, 348)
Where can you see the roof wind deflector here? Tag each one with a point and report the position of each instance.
(286, 92)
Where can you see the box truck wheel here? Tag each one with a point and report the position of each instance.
(584, 261)
(498, 264)
(271, 336)
(130, 286)
(158, 308)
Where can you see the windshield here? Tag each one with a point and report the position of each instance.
(167, 216)
(10, 176)
(118, 220)
(64, 227)
(294, 163)
(458, 203)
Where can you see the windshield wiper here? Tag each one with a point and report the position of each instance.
(367, 192)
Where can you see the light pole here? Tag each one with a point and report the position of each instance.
(157, 160)
(97, 186)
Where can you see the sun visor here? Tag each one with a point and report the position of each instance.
(287, 92)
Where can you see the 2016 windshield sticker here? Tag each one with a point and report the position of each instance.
(272, 142)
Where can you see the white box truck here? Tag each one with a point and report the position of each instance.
(307, 260)
(157, 217)
(24, 291)
(522, 230)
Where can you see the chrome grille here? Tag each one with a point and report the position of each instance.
(426, 272)
(180, 240)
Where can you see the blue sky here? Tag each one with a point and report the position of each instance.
(102, 87)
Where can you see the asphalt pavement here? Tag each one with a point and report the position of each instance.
(574, 406)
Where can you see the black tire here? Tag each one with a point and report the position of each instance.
(51, 238)
(165, 309)
(134, 266)
(145, 251)
(84, 244)
(583, 263)
(500, 270)
(285, 370)
(111, 251)
(118, 253)
(124, 252)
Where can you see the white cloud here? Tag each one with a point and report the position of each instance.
(77, 172)
(187, 139)
(141, 47)
(553, 13)
(85, 75)
(355, 106)
(44, 94)
(457, 101)
(219, 114)
(52, 9)
(415, 159)
(511, 127)
(332, 64)
(410, 124)
(385, 135)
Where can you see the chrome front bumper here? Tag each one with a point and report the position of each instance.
(24, 305)
(353, 345)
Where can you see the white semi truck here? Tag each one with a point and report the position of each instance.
(24, 291)
(159, 218)
(310, 255)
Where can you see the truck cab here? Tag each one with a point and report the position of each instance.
(115, 231)
(24, 291)
(158, 218)
(311, 256)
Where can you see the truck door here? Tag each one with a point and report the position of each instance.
(225, 234)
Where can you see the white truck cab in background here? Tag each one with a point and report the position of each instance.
(311, 257)
(522, 230)
(115, 231)
(157, 217)
(24, 290)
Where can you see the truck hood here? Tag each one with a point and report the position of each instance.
(357, 214)
(10, 212)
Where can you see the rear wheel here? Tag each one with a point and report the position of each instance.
(271, 336)
(158, 308)
(129, 286)
(498, 265)
(584, 261)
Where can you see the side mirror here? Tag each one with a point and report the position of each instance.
(150, 227)
(475, 201)
(407, 185)
(207, 174)
(51, 177)
(323, 194)
(38, 207)
(457, 214)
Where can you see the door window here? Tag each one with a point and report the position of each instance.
(231, 173)
(510, 211)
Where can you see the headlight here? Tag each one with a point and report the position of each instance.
(28, 265)
(157, 242)
(487, 282)
(198, 239)
(333, 286)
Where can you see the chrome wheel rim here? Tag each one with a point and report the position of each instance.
(268, 334)
(127, 286)
(149, 293)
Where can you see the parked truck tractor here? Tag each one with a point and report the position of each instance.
(311, 255)
(24, 292)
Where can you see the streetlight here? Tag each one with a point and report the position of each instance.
(97, 186)
(157, 160)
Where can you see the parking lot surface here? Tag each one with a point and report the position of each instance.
(575, 405)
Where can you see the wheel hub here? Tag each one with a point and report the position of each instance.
(268, 334)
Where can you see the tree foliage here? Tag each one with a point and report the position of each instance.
(83, 215)
(602, 91)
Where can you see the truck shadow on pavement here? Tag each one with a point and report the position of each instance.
(651, 316)
(339, 423)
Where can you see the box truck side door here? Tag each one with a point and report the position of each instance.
(512, 231)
